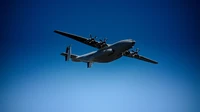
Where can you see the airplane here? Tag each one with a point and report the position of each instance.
(105, 53)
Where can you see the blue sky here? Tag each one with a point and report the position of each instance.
(34, 77)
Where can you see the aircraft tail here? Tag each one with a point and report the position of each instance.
(69, 56)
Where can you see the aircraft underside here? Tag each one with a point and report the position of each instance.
(108, 58)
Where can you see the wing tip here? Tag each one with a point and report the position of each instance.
(56, 31)
(155, 62)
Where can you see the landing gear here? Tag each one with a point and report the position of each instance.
(89, 64)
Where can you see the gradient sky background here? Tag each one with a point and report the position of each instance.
(35, 78)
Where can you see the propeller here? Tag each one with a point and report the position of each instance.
(104, 40)
(136, 51)
(92, 38)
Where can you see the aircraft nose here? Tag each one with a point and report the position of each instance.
(132, 41)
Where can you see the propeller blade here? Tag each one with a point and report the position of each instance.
(105, 39)
(137, 50)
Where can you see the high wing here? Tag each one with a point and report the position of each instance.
(87, 41)
(137, 56)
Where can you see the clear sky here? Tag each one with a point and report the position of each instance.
(35, 78)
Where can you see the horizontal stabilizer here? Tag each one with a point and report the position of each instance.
(72, 56)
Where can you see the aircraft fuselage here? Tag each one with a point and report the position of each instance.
(109, 53)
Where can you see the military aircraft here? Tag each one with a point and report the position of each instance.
(105, 53)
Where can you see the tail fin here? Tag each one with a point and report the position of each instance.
(68, 51)
(68, 55)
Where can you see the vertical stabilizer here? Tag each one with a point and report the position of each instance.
(68, 51)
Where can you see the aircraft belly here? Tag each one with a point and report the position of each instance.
(107, 58)
(106, 55)
(111, 56)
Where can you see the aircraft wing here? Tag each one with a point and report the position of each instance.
(84, 40)
(137, 56)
